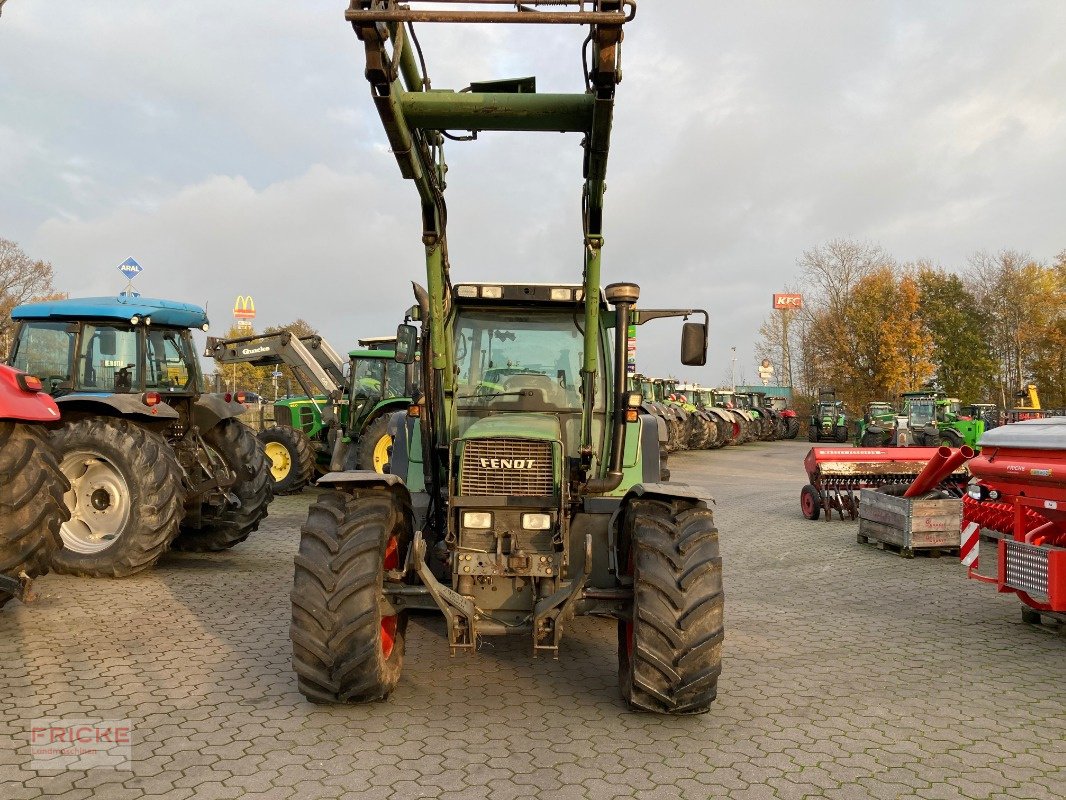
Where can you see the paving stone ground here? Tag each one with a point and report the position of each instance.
(849, 673)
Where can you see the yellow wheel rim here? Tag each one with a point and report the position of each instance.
(280, 462)
(381, 453)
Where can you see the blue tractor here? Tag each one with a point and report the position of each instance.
(153, 462)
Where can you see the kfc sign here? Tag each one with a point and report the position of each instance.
(788, 301)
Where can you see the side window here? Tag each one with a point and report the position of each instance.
(46, 350)
(108, 359)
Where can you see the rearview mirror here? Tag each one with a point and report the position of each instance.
(406, 344)
(694, 344)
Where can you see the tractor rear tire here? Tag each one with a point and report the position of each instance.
(291, 458)
(810, 502)
(31, 502)
(670, 651)
(344, 649)
(221, 529)
(125, 501)
(792, 428)
(374, 446)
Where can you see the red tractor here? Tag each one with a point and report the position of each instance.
(1014, 515)
(31, 485)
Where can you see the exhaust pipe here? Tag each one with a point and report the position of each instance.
(942, 464)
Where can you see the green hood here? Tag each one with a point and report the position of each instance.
(516, 426)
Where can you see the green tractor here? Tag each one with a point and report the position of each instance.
(747, 428)
(726, 423)
(524, 486)
(933, 419)
(957, 429)
(152, 460)
(340, 408)
(875, 427)
(829, 422)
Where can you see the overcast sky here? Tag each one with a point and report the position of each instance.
(233, 148)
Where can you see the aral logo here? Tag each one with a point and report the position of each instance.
(251, 351)
(507, 463)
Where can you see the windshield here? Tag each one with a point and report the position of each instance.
(46, 350)
(169, 364)
(922, 412)
(503, 358)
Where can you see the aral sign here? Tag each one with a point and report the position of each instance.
(788, 301)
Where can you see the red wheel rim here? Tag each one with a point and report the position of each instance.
(807, 501)
(390, 561)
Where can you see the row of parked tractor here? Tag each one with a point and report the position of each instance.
(698, 418)
(924, 418)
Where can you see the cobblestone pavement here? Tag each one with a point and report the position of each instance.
(849, 673)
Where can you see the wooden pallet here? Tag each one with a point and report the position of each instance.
(1052, 619)
(908, 552)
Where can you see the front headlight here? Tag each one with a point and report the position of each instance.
(974, 491)
(536, 522)
(480, 520)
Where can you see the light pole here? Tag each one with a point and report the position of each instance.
(733, 370)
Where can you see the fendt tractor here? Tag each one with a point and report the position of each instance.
(152, 461)
(523, 487)
(31, 485)
(829, 422)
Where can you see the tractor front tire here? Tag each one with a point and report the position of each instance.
(951, 438)
(374, 445)
(31, 502)
(220, 529)
(125, 498)
(670, 650)
(812, 433)
(841, 434)
(344, 648)
(290, 456)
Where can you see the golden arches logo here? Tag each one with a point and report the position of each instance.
(244, 307)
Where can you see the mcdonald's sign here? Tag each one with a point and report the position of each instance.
(244, 308)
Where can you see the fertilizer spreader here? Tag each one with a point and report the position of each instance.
(1014, 514)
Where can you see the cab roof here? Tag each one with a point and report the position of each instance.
(162, 312)
(389, 354)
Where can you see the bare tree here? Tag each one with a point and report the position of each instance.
(21, 280)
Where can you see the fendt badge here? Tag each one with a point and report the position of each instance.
(507, 463)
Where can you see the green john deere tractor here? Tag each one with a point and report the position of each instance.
(340, 408)
(524, 486)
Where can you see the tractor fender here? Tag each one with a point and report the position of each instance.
(18, 403)
(667, 491)
(401, 428)
(365, 479)
(211, 409)
(652, 433)
(114, 405)
(386, 407)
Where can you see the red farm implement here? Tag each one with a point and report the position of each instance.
(836, 475)
(1014, 515)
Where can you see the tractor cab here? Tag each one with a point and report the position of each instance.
(110, 346)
